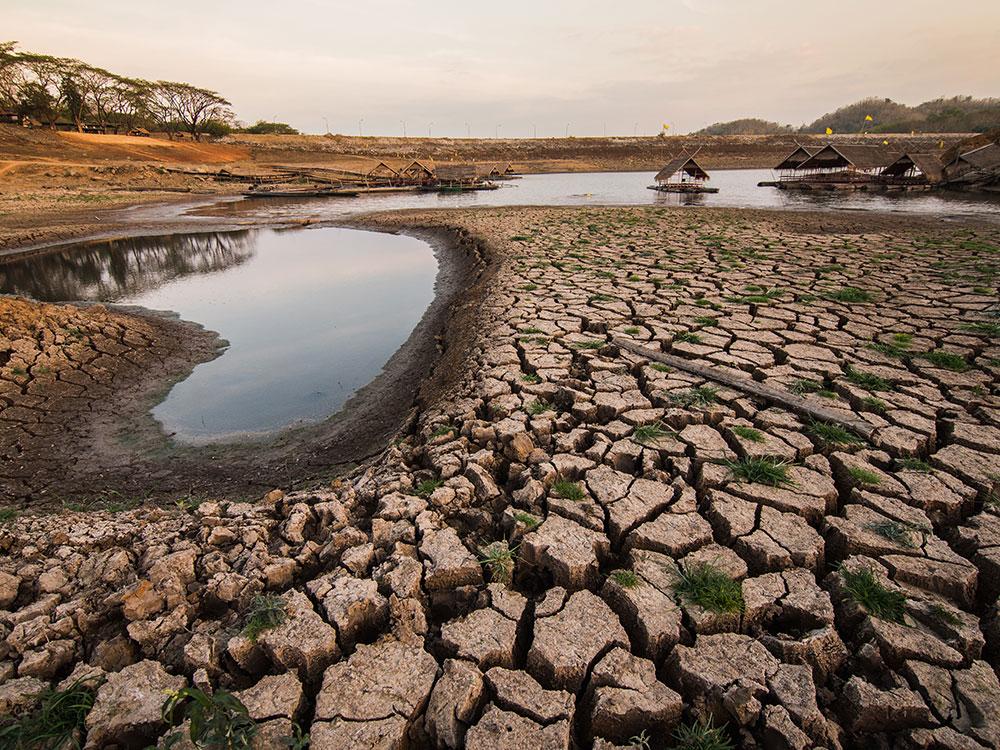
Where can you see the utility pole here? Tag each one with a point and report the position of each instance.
(468, 130)
(429, 126)
(404, 127)
(534, 130)
(360, 123)
(327, 122)
(567, 130)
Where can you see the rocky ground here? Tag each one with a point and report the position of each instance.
(578, 545)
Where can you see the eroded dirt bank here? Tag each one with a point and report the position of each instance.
(661, 550)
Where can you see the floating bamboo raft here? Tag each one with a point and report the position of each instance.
(683, 187)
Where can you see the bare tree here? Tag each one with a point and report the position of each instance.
(192, 106)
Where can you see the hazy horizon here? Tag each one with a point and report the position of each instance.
(531, 68)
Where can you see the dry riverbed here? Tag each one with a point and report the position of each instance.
(571, 544)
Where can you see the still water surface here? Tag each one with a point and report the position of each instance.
(310, 315)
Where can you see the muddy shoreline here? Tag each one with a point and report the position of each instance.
(129, 459)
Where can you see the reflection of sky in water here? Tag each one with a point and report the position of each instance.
(311, 316)
(737, 189)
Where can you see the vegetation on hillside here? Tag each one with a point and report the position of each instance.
(958, 114)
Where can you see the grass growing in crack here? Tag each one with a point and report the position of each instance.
(8, 514)
(875, 405)
(700, 396)
(426, 488)
(627, 579)
(710, 588)
(590, 344)
(832, 434)
(538, 406)
(442, 430)
(894, 531)
(660, 367)
(631, 330)
(52, 723)
(219, 720)
(946, 360)
(688, 337)
(530, 522)
(944, 615)
(914, 464)
(761, 298)
(708, 322)
(568, 490)
(986, 329)
(849, 294)
(530, 378)
(881, 602)
(863, 476)
(639, 741)
(748, 433)
(498, 558)
(266, 611)
(649, 433)
(767, 471)
(802, 386)
(866, 380)
(701, 735)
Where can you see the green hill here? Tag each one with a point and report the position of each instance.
(746, 126)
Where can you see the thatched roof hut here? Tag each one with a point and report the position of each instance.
(914, 165)
(456, 174)
(984, 157)
(684, 166)
(382, 171)
(795, 159)
(418, 170)
(850, 157)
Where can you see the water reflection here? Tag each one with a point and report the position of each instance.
(311, 315)
(114, 270)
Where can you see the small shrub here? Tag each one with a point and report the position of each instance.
(266, 611)
(701, 735)
(864, 476)
(625, 578)
(568, 490)
(767, 471)
(51, 725)
(748, 433)
(426, 488)
(864, 588)
(710, 588)
(218, 721)
(498, 558)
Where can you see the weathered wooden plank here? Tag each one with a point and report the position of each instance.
(787, 399)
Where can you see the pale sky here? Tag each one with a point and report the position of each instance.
(521, 66)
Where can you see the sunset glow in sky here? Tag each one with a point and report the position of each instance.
(516, 68)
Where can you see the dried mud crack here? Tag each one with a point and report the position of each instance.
(679, 551)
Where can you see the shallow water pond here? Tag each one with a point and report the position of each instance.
(311, 315)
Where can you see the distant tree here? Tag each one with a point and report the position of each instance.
(131, 104)
(745, 126)
(71, 98)
(11, 75)
(262, 127)
(37, 103)
(216, 128)
(193, 106)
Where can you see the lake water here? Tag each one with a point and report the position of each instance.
(737, 189)
(311, 315)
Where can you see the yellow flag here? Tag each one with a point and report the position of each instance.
(885, 143)
(940, 144)
(829, 131)
(868, 118)
(666, 127)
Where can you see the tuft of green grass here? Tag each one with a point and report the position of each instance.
(639, 741)
(53, 723)
(631, 330)
(530, 378)
(701, 735)
(706, 321)
(426, 488)
(443, 430)
(650, 433)
(568, 490)
(866, 380)
(914, 464)
(863, 476)
(266, 611)
(761, 298)
(218, 721)
(688, 337)
(660, 367)
(590, 344)
(946, 360)
(748, 433)
(498, 559)
(864, 588)
(529, 287)
(530, 522)
(8, 514)
(703, 395)
(767, 471)
(710, 588)
(802, 386)
(520, 238)
(986, 329)
(875, 405)
(538, 406)
(849, 294)
(627, 579)
(832, 434)
(894, 531)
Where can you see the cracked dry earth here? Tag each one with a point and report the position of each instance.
(861, 577)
